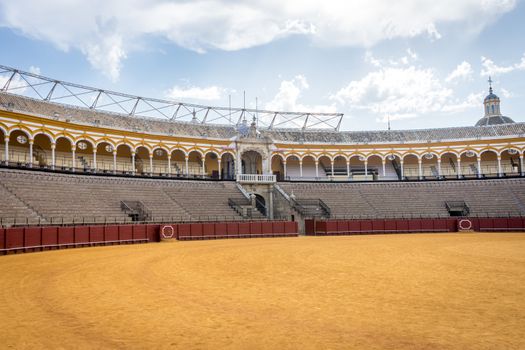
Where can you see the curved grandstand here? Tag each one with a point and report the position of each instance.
(99, 166)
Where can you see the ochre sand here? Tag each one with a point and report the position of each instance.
(428, 291)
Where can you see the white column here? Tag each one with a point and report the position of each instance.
(74, 157)
(31, 153)
(420, 168)
(459, 168)
(6, 141)
(300, 168)
(384, 167)
(133, 170)
(95, 160)
(402, 169)
(366, 168)
(332, 165)
(284, 169)
(316, 168)
(169, 164)
(219, 167)
(114, 161)
(203, 166)
(348, 167)
(500, 171)
(186, 159)
(479, 166)
(151, 164)
(521, 165)
(439, 166)
(53, 160)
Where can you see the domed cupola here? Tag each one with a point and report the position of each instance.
(492, 110)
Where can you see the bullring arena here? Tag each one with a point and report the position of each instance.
(120, 229)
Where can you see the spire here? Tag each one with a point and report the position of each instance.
(388, 122)
(490, 84)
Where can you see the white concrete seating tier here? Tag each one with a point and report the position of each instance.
(484, 197)
(52, 195)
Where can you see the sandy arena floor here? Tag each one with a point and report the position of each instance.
(446, 291)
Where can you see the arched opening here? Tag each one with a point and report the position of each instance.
(105, 157)
(211, 161)
(178, 163)
(2, 145)
(63, 154)
(340, 168)
(160, 161)
(358, 170)
(260, 204)
(84, 155)
(449, 165)
(251, 162)
(195, 166)
(227, 166)
(324, 166)
(510, 162)
(411, 167)
(293, 170)
(429, 166)
(124, 159)
(278, 167)
(393, 167)
(19, 147)
(469, 164)
(375, 167)
(142, 163)
(489, 163)
(42, 151)
(309, 167)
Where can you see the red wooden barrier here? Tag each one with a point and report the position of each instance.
(342, 227)
(256, 229)
(320, 228)
(125, 232)
(278, 228)
(184, 231)
(81, 234)
(2, 238)
(208, 230)
(233, 230)
(14, 238)
(244, 229)
(291, 227)
(196, 231)
(66, 236)
(32, 236)
(221, 230)
(49, 236)
(96, 234)
(111, 233)
(139, 232)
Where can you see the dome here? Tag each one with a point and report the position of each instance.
(494, 120)
(491, 96)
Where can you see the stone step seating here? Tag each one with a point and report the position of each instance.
(72, 197)
(14, 210)
(484, 197)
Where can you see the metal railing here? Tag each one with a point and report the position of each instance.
(103, 220)
(256, 178)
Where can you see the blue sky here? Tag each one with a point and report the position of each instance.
(420, 63)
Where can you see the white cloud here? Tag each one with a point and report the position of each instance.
(106, 31)
(198, 93)
(287, 98)
(463, 71)
(410, 57)
(491, 68)
(396, 92)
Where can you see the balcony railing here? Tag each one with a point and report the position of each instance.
(256, 178)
